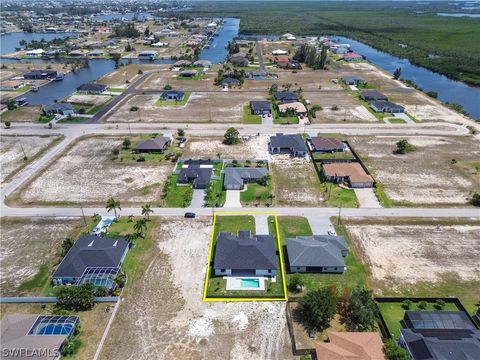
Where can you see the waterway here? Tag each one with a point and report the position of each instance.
(217, 51)
(9, 42)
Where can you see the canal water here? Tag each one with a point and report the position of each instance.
(8, 42)
(447, 89)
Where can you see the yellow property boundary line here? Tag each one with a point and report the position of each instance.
(210, 255)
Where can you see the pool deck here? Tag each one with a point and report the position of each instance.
(235, 283)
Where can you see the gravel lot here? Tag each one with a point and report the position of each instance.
(425, 176)
(11, 153)
(163, 315)
(85, 174)
(407, 254)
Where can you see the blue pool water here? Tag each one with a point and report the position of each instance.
(250, 283)
(59, 329)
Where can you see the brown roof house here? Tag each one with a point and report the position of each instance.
(240, 59)
(323, 144)
(350, 171)
(298, 107)
(26, 336)
(351, 346)
(158, 145)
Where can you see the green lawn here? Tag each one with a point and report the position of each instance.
(116, 90)
(74, 120)
(127, 155)
(396, 121)
(217, 285)
(176, 196)
(365, 86)
(217, 196)
(257, 195)
(283, 120)
(45, 118)
(335, 155)
(393, 314)
(173, 102)
(249, 118)
(356, 271)
(196, 77)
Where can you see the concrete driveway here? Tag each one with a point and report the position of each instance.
(267, 120)
(233, 199)
(261, 224)
(198, 198)
(402, 116)
(367, 198)
(319, 224)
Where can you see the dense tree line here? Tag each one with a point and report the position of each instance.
(309, 54)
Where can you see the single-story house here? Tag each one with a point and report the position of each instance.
(372, 95)
(293, 144)
(20, 101)
(317, 253)
(440, 344)
(279, 52)
(352, 172)
(323, 144)
(196, 172)
(386, 107)
(260, 107)
(229, 81)
(286, 97)
(339, 50)
(353, 80)
(245, 255)
(282, 59)
(437, 320)
(91, 88)
(289, 65)
(239, 59)
(89, 254)
(40, 75)
(236, 178)
(156, 145)
(160, 44)
(35, 53)
(174, 95)
(78, 53)
(59, 108)
(147, 55)
(351, 346)
(188, 73)
(11, 85)
(182, 63)
(351, 56)
(298, 107)
(202, 63)
(95, 53)
(36, 337)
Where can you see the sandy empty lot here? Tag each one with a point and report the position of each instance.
(426, 176)
(22, 114)
(208, 147)
(166, 76)
(295, 182)
(11, 153)
(163, 315)
(85, 174)
(406, 254)
(89, 99)
(26, 244)
(201, 107)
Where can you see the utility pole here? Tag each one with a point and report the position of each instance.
(339, 213)
(83, 215)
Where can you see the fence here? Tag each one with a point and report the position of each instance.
(50, 300)
(296, 352)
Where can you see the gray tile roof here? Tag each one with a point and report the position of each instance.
(286, 96)
(441, 344)
(55, 107)
(92, 87)
(156, 144)
(235, 176)
(199, 176)
(260, 105)
(317, 250)
(91, 251)
(294, 142)
(386, 105)
(244, 252)
(373, 94)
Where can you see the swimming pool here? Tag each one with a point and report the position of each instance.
(249, 283)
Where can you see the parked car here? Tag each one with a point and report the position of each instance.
(189, 215)
(332, 232)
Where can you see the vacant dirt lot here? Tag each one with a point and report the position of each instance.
(166, 76)
(209, 147)
(26, 244)
(201, 107)
(88, 99)
(295, 182)
(428, 175)
(86, 174)
(163, 315)
(22, 114)
(406, 254)
(11, 152)
(118, 77)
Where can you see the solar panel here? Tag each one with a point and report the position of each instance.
(99, 276)
(54, 325)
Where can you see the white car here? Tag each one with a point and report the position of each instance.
(332, 232)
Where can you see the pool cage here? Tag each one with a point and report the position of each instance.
(54, 325)
(99, 277)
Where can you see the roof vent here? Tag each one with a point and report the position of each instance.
(91, 244)
(115, 243)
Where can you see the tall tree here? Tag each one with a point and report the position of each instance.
(113, 204)
(231, 136)
(140, 227)
(397, 73)
(317, 309)
(146, 211)
(362, 310)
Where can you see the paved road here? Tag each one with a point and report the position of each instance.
(260, 56)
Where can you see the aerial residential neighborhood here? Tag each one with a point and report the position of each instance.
(239, 180)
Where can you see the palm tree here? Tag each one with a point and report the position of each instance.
(146, 211)
(113, 204)
(140, 226)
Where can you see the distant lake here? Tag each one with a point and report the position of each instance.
(10, 41)
(459, 15)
